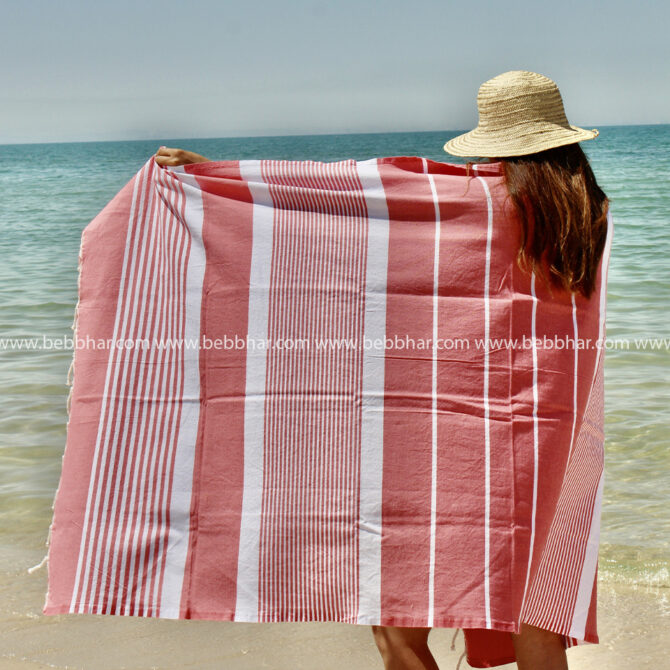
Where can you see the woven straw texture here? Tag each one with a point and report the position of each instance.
(520, 113)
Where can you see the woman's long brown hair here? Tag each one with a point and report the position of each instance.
(563, 215)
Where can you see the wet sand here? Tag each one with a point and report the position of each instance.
(634, 629)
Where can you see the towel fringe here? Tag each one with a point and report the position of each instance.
(69, 381)
(460, 659)
(39, 565)
(453, 639)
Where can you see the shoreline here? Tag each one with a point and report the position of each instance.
(633, 627)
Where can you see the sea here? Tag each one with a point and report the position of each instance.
(50, 192)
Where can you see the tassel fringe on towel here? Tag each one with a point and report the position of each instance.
(68, 382)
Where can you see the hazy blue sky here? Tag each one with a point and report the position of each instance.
(82, 70)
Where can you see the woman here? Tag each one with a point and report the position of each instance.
(563, 218)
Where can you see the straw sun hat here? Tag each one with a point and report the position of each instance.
(519, 113)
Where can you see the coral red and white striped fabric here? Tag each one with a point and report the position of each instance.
(331, 398)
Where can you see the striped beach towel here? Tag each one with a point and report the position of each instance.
(310, 391)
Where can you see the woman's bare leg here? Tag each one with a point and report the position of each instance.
(539, 649)
(404, 648)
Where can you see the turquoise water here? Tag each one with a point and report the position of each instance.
(51, 191)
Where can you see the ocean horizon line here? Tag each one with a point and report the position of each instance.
(289, 135)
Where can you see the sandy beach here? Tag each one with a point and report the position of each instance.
(634, 629)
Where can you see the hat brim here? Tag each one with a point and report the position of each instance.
(487, 144)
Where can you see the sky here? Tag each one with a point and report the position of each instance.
(77, 70)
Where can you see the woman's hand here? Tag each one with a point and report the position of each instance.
(168, 156)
